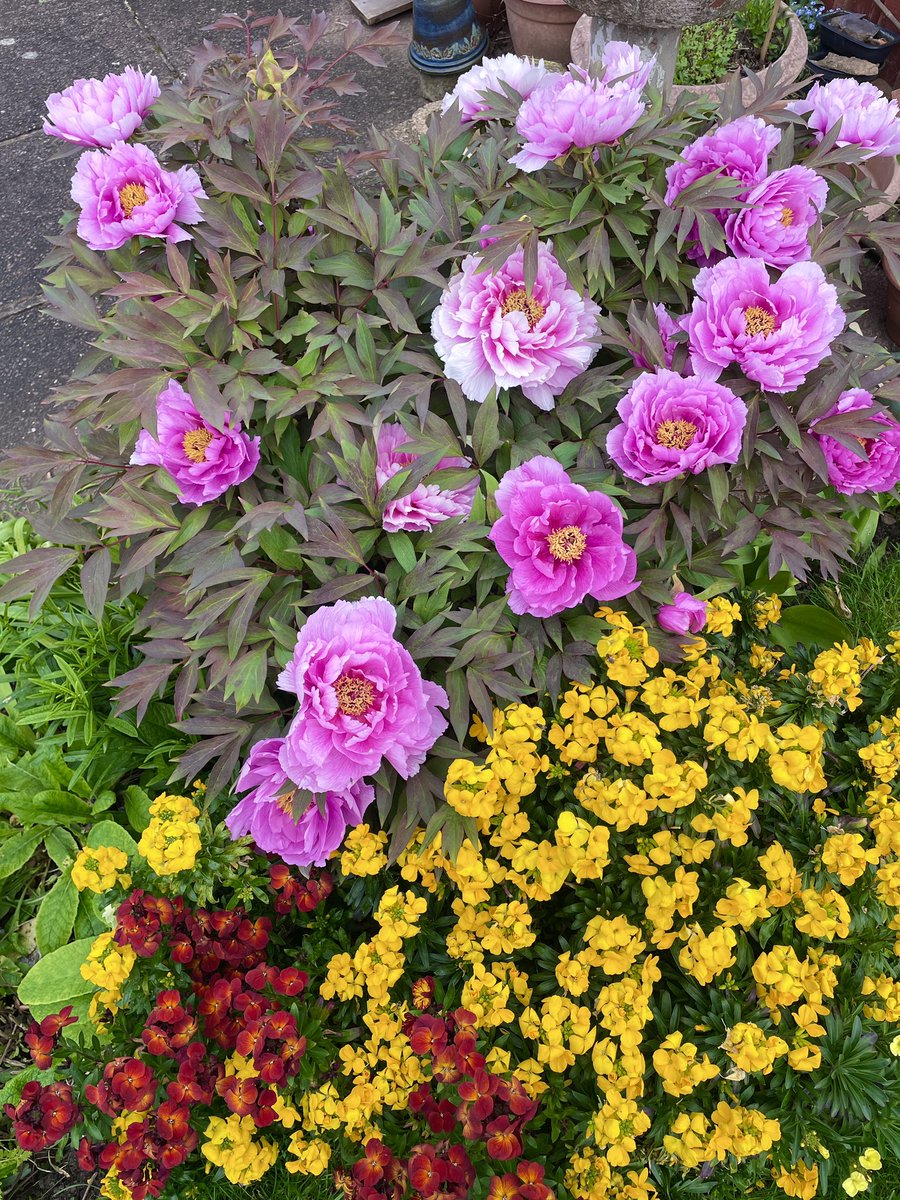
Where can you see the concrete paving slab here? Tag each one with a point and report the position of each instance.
(46, 44)
(31, 203)
(39, 354)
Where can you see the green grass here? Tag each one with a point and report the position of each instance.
(277, 1184)
(867, 598)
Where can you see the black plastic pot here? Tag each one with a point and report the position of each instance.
(843, 42)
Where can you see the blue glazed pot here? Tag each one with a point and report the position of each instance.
(447, 36)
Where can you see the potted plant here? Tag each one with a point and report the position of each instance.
(710, 51)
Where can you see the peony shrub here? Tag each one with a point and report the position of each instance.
(662, 962)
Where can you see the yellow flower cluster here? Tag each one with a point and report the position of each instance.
(101, 868)
(308, 1157)
(107, 967)
(229, 1143)
(683, 821)
(861, 1176)
(171, 842)
(112, 1187)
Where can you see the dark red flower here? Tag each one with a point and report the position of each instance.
(532, 1186)
(504, 1187)
(427, 1172)
(371, 1168)
(428, 1035)
(502, 1139)
(43, 1115)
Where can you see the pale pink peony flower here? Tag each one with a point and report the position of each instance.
(490, 332)
(624, 68)
(878, 468)
(686, 614)
(204, 461)
(574, 111)
(561, 541)
(428, 504)
(776, 332)
(266, 812)
(523, 75)
(782, 210)
(672, 424)
(124, 192)
(868, 118)
(99, 112)
(361, 699)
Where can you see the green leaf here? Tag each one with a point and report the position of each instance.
(403, 550)
(486, 433)
(137, 808)
(15, 737)
(56, 916)
(61, 847)
(111, 833)
(55, 805)
(811, 625)
(56, 980)
(16, 851)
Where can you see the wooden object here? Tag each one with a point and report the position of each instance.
(372, 11)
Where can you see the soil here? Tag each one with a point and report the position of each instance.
(746, 52)
(848, 66)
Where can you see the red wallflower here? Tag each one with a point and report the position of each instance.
(423, 992)
(532, 1186)
(371, 1168)
(127, 1085)
(428, 1035)
(43, 1114)
(41, 1038)
(426, 1171)
(503, 1140)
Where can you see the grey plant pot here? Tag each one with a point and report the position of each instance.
(657, 14)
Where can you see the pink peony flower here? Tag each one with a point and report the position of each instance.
(203, 461)
(624, 68)
(849, 472)
(739, 150)
(361, 699)
(672, 424)
(785, 206)
(123, 193)
(868, 119)
(266, 811)
(686, 614)
(574, 111)
(427, 505)
(523, 75)
(776, 332)
(490, 332)
(561, 541)
(668, 327)
(98, 112)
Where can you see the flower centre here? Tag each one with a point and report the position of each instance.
(518, 300)
(567, 544)
(132, 196)
(676, 435)
(355, 696)
(758, 320)
(194, 444)
(286, 802)
(787, 216)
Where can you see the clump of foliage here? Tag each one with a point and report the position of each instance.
(708, 52)
(868, 595)
(661, 959)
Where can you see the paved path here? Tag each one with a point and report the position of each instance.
(44, 45)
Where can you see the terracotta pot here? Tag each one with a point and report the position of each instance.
(541, 28)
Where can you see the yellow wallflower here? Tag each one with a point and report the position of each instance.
(309, 1157)
(844, 855)
(796, 763)
(767, 611)
(751, 1049)
(627, 653)
(171, 842)
(721, 615)
(101, 868)
(799, 1180)
(229, 1143)
(677, 1064)
(706, 955)
(472, 790)
(363, 852)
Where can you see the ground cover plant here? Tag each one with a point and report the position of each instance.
(708, 53)
(639, 976)
(448, 494)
